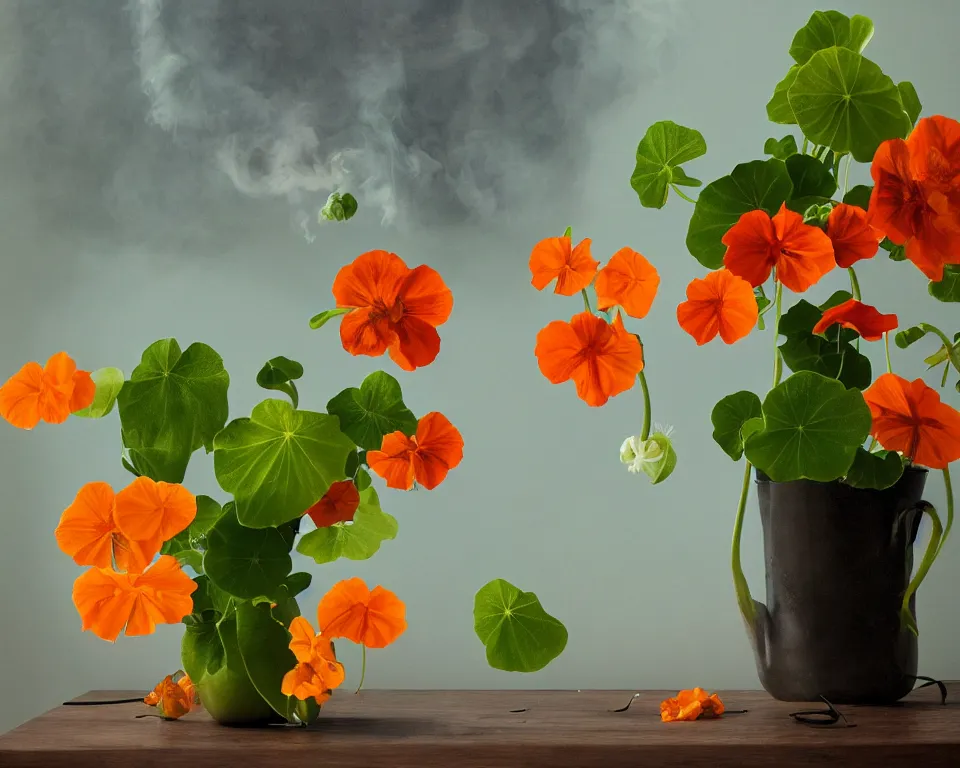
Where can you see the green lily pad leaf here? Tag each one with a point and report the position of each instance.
(372, 411)
(297, 583)
(878, 470)
(827, 29)
(362, 480)
(245, 562)
(279, 374)
(781, 148)
(844, 101)
(910, 100)
(758, 184)
(318, 321)
(264, 646)
(859, 196)
(836, 299)
(108, 381)
(833, 359)
(810, 177)
(173, 404)
(357, 540)
(518, 634)
(728, 417)
(778, 108)
(813, 427)
(947, 289)
(339, 207)
(279, 462)
(661, 152)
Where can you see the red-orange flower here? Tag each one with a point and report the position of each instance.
(49, 394)
(108, 601)
(627, 280)
(862, 318)
(854, 238)
(174, 696)
(556, 259)
(756, 244)
(602, 358)
(338, 505)
(720, 303)
(908, 417)
(691, 704)
(317, 672)
(916, 194)
(425, 458)
(152, 512)
(372, 618)
(394, 307)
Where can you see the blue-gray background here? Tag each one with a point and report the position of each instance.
(639, 574)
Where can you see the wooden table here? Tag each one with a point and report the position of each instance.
(495, 729)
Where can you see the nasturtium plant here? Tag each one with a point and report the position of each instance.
(108, 382)
(660, 155)
(781, 148)
(339, 207)
(729, 417)
(810, 177)
(280, 374)
(947, 289)
(875, 470)
(359, 539)
(778, 108)
(373, 410)
(828, 29)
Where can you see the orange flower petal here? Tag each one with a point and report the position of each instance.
(173, 699)
(301, 639)
(425, 296)
(862, 318)
(439, 449)
(374, 619)
(86, 527)
(374, 276)
(338, 505)
(751, 247)
(555, 259)
(720, 303)
(691, 704)
(416, 343)
(149, 511)
(50, 394)
(104, 600)
(627, 280)
(909, 417)
(852, 235)
(394, 461)
(20, 397)
(363, 332)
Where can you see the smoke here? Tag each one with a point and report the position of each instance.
(426, 110)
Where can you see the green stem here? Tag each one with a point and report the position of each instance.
(846, 174)
(946, 372)
(906, 617)
(886, 348)
(777, 361)
(680, 194)
(363, 667)
(854, 283)
(744, 599)
(948, 486)
(586, 301)
(645, 432)
(806, 143)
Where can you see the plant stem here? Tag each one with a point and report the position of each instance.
(846, 174)
(948, 486)
(946, 371)
(586, 301)
(886, 348)
(363, 666)
(806, 143)
(744, 600)
(645, 432)
(777, 361)
(680, 194)
(906, 617)
(854, 283)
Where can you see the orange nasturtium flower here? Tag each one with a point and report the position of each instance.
(555, 258)
(691, 704)
(338, 505)
(174, 696)
(756, 244)
(425, 458)
(49, 393)
(854, 238)
(916, 194)
(862, 318)
(317, 672)
(394, 308)
(154, 512)
(373, 618)
(909, 417)
(627, 280)
(108, 601)
(720, 303)
(602, 358)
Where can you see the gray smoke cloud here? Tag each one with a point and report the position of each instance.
(426, 110)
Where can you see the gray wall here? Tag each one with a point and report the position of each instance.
(639, 574)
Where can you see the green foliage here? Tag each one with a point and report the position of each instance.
(812, 429)
(778, 108)
(728, 417)
(758, 184)
(188, 546)
(318, 321)
(173, 404)
(661, 458)
(910, 100)
(108, 381)
(264, 648)
(339, 207)
(279, 462)
(878, 470)
(518, 634)
(894, 252)
(826, 29)
(279, 374)
(859, 196)
(810, 177)
(357, 540)
(948, 289)
(660, 154)
(372, 411)
(781, 148)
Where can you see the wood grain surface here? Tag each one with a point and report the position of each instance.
(474, 729)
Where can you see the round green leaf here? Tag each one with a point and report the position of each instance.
(778, 108)
(910, 100)
(859, 196)
(729, 416)
(318, 321)
(279, 374)
(761, 184)
(830, 358)
(172, 404)
(812, 429)
(782, 148)
(947, 289)
(518, 634)
(810, 177)
(827, 29)
(878, 470)
(844, 101)
(372, 411)
(264, 647)
(661, 152)
(356, 540)
(108, 381)
(245, 562)
(279, 462)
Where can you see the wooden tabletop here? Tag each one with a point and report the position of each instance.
(495, 729)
